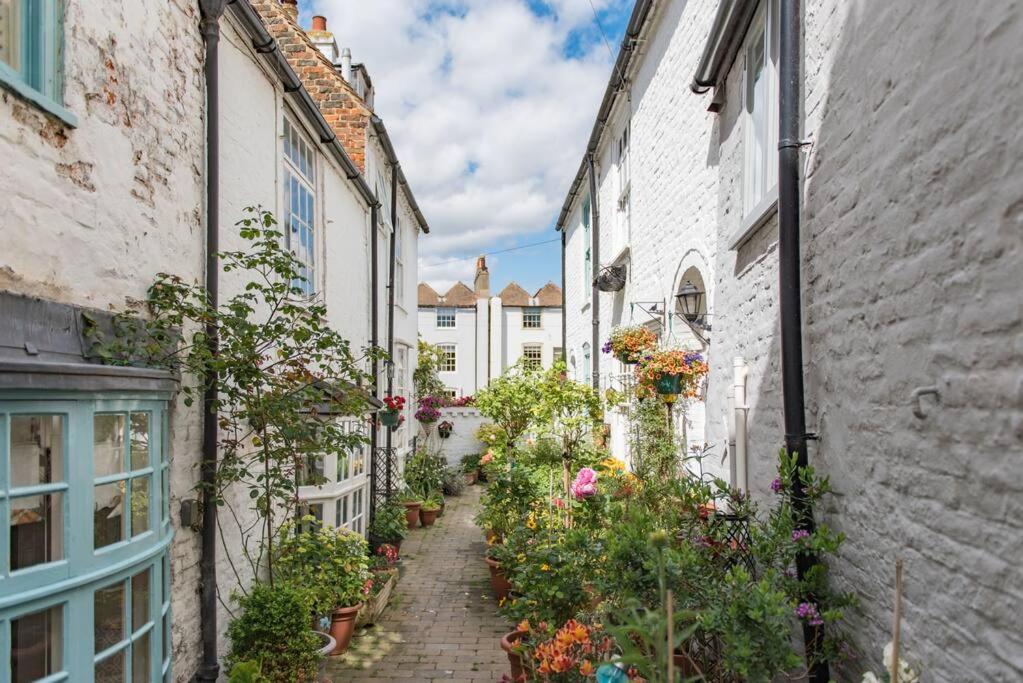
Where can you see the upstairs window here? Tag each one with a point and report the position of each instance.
(399, 265)
(532, 356)
(448, 359)
(299, 205)
(760, 112)
(587, 244)
(32, 52)
(531, 318)
(622, 162)
(446, 318)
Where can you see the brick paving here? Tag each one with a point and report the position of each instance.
(442, 623)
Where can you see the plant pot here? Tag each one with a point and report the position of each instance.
(342, 626)
(470, 478)
(626, 359)
(684, 665)
(492, 537)
(443, 504)
(669, 384)
(444, 433)
(412, 514)
(328, 645)
(498, 581)
(508, 642)
(389, 418)
(428, 517)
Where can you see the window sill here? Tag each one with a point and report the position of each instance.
(13, 81)
(620, 255)
(756, 219)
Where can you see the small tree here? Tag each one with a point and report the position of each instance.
(426, 378)
(510, 401)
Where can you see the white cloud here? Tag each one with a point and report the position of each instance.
(482, 84)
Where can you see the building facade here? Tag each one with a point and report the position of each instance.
(483, 335)
(907, 263)
(107, 137)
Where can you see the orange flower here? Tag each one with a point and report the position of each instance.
(585, 668)
(523, 625)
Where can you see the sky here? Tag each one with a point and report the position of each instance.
(489, 104)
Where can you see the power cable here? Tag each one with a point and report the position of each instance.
(490, 253)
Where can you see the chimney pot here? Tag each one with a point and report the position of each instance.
(290, 8)
(319, 23)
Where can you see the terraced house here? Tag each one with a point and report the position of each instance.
(684, 217)
(140, 132)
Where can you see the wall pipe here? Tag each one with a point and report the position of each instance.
(791, 304)
(209, 26)
(740, 371)
(594, 261)
(564, 296)
(374, 343)
(390, 312)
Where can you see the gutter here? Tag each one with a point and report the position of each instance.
(731, 21)
(392, 157)
(637, 22)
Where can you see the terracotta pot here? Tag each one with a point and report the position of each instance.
(443, 504)
(498, 581)
(684, 665)
(470, 478)
(428, 517)
(508, 641)
(491, 536)
(328, 645)
(342, 626)
(412, 514)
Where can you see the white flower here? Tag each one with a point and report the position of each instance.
(869, 677)
(906, 673)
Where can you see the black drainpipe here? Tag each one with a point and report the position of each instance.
(209, 26)
(594, 265)
(564, 303)
(374, 342)
(390, 314)
(790, 303)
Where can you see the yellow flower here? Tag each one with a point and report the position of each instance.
(545, 567)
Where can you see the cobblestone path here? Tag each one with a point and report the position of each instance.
(442, 623)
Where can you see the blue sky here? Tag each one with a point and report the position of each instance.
(490, 103)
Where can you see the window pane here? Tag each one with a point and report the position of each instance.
(166, 637)
(165, 508)
(37, 449)
(10, 33)
(37, 645)
(140, 659)
(139, 600)
(139, 505)
(342, 466)
(37, 530)
(108, 444)
(108, 514)
(108, 616)
(139, 440)
(111, 669)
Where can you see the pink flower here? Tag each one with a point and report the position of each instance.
(559, 503)
(487, 457)
(585, 484)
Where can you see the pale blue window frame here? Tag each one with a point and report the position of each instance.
(300, 205)
(37, 71)
(72, 581)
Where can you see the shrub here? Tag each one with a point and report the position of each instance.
(332, 564)
(424, 473)
(389, 523)
(453, 483)
(273, 629)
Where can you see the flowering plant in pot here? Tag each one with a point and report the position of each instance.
(430, 509)
(393, 405)
(333, 565)
(630, 344)
(389, 526)
(445, 428)
(670, 372)
(411, 500)
(429, 409)
(567, 654)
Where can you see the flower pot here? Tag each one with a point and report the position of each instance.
(342, 626)
(470, 478)
(444, 433)
(684, 665)
(412, 514)
(669, 384)
(328, 645)
(492, 537)
(508, 643)
(389, 418)
(443, 504)
(626, 359)
(498, 582)
(428, 517)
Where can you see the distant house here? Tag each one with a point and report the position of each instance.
(483, 335)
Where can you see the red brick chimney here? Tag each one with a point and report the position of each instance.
(319, 23)
(290, 8)
(481, 285)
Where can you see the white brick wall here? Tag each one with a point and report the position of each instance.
(911, 248)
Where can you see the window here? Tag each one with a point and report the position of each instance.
(531, 318)
(299, 209)
(68, 572)
(448, 359)
(358, 511)
(587, 244)
(399, 265)
(32, 52)
(446, 317)
(621, 234)
(760, 111)
(532, 356)
(559, 354)
(587, 365)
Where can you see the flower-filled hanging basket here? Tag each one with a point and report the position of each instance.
(389, 418)
(444, 429)
(669, 384)
(630, 344)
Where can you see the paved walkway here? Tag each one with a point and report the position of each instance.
(442, 622)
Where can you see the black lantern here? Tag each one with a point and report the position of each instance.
(689, 299)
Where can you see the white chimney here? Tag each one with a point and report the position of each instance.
(323, 39)
(346, 64)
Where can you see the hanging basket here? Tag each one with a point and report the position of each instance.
(389, 418)
(444, 433)
(669, 384)
(626, 359)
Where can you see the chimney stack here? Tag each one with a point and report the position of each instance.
(481, 285)
(290, 8)
(323, 39)
(319, 23)
(346, 64)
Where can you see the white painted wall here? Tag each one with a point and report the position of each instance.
(463, 437)
(515, 336)
(464, 336)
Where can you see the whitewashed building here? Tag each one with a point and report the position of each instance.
(483, 335)
(909, 168)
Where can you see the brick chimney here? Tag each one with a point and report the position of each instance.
(481, 285)
(323, 39)
(290, 8)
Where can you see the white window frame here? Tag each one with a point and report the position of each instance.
(530, 347)
(532, 310)
(587, 269)
(345, 474)
(443, 312)
(760, 125)
(451, 349)
(299, 162)
(399, 264)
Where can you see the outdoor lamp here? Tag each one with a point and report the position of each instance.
(689, 298)
(389, 366)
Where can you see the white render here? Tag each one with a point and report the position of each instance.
(911, 252)
(464, 337)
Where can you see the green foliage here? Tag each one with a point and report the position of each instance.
(273, 629)
(425, 377)
(510, 400)
(331, 564)
(658, 453)
(389, 523)
(424, 474)
(471, 462)
(452, 481)
(246, 672)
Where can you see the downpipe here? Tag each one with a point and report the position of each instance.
(594, 267)
(390, 317)
(374, 342)
(790, 80)
(740, 371)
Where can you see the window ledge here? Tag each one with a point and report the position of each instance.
(15, 83)
(621, 255)
(755, 219)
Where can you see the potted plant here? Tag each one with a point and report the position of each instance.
(333, 565)
(429, 412)
(389, 526)
(671, 373)
(272, 630)
(630, 344)
(470, 468)
(412, 501)
(445, 428)
(430, 509)
(391, 414)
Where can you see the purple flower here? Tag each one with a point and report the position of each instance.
(776, 485)
(808, 611)
(800, 534)
(606, 348)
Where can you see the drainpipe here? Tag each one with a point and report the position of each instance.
(790, 303)
(739, 373)
(209, 26)
(595, 261)
(390, 313)
(374, 342)
(564, 306)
